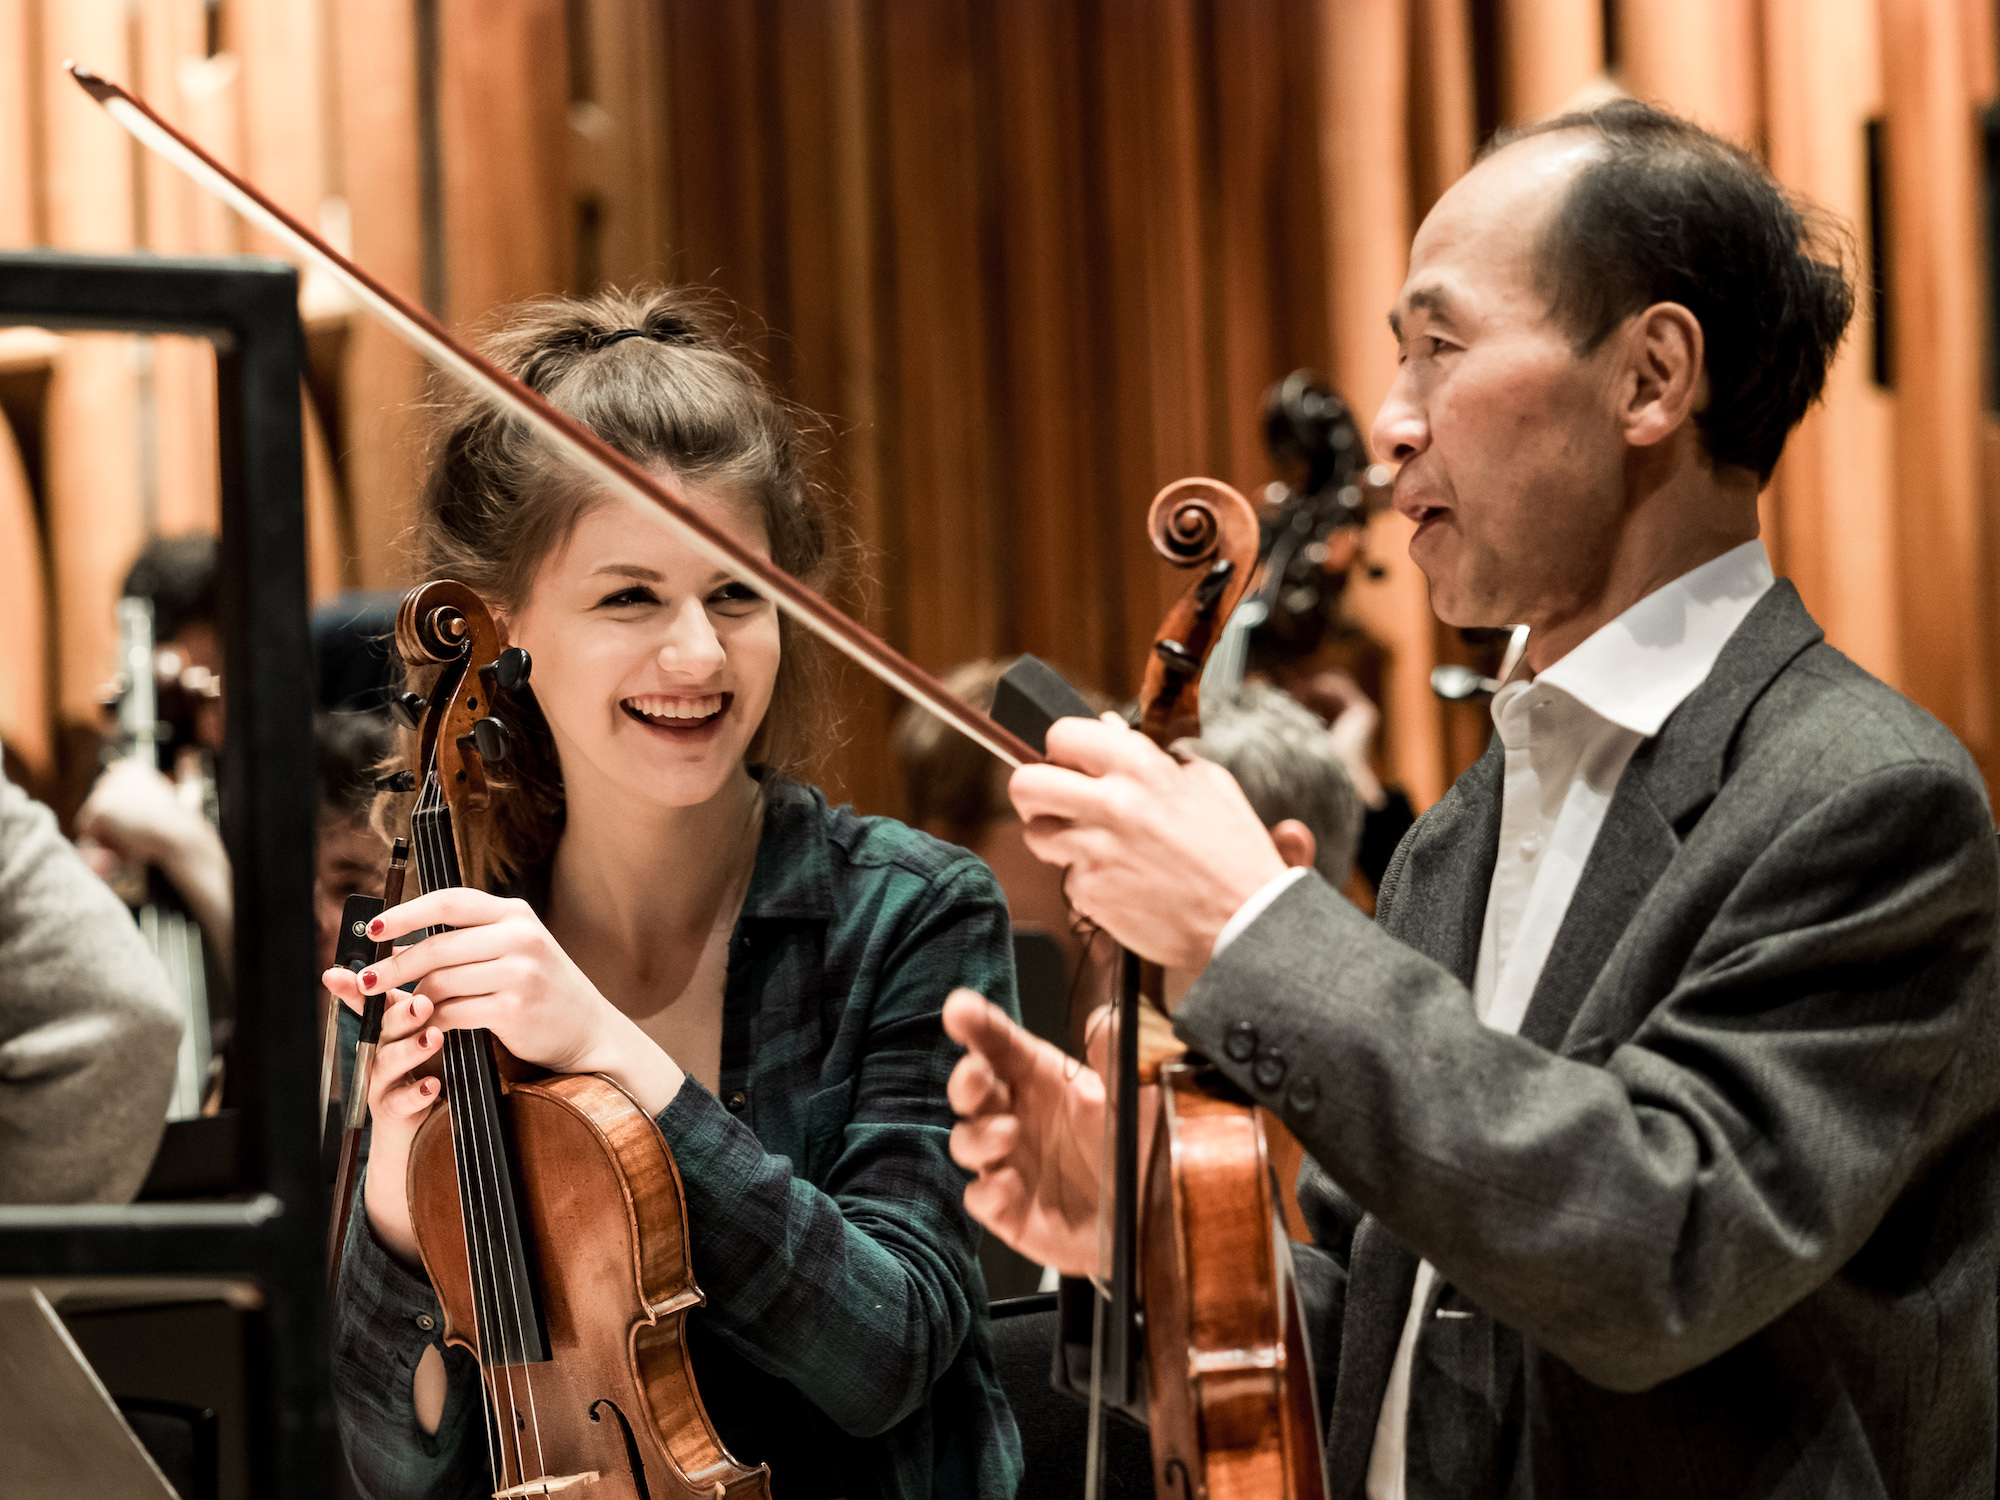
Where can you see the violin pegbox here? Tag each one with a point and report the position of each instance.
(463, 737)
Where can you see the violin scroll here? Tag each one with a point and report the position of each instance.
(1194, 522)
(448, 624)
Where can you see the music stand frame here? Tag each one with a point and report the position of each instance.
(274, 1230)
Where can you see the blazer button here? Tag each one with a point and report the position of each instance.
(426, 1322)
(735, 1102)
(1270, 1069)
(1241, 1042)
(1303, 1095)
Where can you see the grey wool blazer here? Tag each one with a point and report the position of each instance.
(1721, 1221)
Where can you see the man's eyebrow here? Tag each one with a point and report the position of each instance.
(1434, 300)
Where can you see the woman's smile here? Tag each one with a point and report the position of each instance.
(680, 716)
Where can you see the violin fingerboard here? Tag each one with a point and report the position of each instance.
(506, 1297)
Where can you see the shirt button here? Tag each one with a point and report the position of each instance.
(1241, 1042)
(1303, 1095)
(1531, 846)
(1270, 1069)
(426, 1322)
(735, 1102)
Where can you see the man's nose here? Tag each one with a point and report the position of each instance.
(1400, 431)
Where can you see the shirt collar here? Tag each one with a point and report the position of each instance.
(1638, 669)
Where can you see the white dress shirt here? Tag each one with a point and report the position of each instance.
(1568, 735)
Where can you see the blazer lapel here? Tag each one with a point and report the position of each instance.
(1672, 778)
(1440, 895)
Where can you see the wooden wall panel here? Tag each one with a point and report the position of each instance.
(20, 94)
(1698, 57)
(25, 725)
(618, 144)
(952, 558)
(1367, 196)
(1837, 482)
(1937, 364)
(1550, 51)
(94, 499)
(503, 127)
(375, 68)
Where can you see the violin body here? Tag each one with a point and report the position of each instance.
(607, 1222)
(1234, 1415)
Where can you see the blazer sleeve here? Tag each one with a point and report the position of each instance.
(859, 1288)
(89, 1030)
(1639, 1214)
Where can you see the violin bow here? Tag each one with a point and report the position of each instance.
(587, 452)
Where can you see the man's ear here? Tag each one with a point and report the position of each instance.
(1296, 844)
(1665, 381)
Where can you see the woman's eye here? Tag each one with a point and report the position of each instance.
(628, 598)
(735, 593)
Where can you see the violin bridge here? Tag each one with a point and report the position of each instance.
(547, 1485)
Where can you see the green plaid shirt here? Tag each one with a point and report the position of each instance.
(845, 1338)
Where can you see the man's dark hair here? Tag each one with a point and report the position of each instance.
(1670, 213)
(178, 574)
(347, 749)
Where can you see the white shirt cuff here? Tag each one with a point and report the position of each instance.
(1256, 906)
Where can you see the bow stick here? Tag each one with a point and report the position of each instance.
(575, 442)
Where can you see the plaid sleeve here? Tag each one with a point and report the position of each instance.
(859, 1292)
(384, 1317)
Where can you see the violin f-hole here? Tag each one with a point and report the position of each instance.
(638, 1464)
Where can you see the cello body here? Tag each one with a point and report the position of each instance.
(606, 1214)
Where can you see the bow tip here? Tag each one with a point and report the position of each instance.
(97, 87)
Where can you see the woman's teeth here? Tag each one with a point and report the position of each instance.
(661, 709)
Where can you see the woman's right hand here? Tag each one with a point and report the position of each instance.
(399, 1101)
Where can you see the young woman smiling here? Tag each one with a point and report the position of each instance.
(670, 907)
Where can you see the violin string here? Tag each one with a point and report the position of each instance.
(432, 872)
(482, 1128)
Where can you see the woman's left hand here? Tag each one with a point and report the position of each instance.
(499, 968)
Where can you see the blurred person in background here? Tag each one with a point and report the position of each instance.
(89, 1030)
(136, 813)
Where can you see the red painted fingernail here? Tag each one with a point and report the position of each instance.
(368, 979)
(375, 927)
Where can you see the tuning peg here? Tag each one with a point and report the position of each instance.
(409, 707)
(397, 781)
(512, 667)
(491, 737)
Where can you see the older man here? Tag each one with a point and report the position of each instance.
(1651, 1128)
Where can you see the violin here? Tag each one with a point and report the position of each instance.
(1229, 1383)
(548, 1210)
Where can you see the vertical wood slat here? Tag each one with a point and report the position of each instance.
(945, 451)
(1697, 57)
(375, 69)
(1836, 480)
(91, 474)
(1365, 159)
(24, 679)
(1057, 471)
(618, 143)
(1550, 51)
(20, 94)
(503, 125)
(1941, 536)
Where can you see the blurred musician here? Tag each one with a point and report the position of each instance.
(1653, 1127)
(88, 1026)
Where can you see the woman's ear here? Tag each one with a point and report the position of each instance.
(1296, 844)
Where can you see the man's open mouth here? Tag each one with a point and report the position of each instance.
(677, 712)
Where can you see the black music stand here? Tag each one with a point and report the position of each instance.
(273, 1230)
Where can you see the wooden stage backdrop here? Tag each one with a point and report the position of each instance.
(1032, 258)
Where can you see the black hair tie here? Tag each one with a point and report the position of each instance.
(605, 341)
